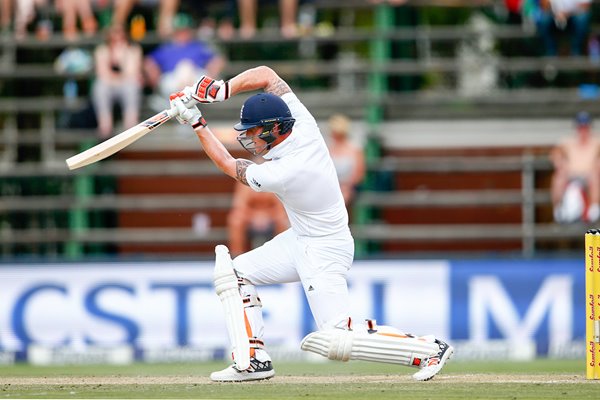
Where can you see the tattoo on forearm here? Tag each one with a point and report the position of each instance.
(278, 88)
(240, 170)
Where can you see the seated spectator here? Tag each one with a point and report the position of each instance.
(74, 61)
(255, 218)
(180, 62)
(118, 78)
(569, 16)
(166, 13)
(576, 180)
(348, 157)
(288, 10)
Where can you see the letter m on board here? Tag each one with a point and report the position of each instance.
(492, 307)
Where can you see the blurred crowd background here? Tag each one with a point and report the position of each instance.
(458, 128)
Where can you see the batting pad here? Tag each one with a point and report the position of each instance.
(226, 286)
(385, 345)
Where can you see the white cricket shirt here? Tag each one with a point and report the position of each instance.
(301, 174)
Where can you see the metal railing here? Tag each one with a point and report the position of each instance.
(528, 197)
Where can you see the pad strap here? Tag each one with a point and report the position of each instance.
(251, 301)
(371, 325)
(256, 343)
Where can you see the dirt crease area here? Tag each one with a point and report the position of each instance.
(296, 379)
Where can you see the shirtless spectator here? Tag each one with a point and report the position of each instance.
(254, 216)
(576, 179)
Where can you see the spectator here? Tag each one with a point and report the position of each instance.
(523, 13)
(390, 2)
(6, 12)
(218, 20)
(166, 13)
(571, 16)
(118, 78)
(70, 10)
(513, 11)
(348, 158)
(255, 217)
(287, 10)
(25, 13)
(178, 63)
(576, 179)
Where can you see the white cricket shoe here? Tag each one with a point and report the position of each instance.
(258, 370)
(432, 365)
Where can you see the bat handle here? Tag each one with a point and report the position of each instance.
(171, 112)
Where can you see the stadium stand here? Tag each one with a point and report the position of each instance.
(430, 192)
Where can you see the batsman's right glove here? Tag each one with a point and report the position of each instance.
(208, 90)
(187, 111)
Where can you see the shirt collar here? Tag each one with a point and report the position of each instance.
(281, 149)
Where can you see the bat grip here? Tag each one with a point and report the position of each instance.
(171, 112)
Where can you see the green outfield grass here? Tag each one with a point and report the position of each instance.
(541, 379)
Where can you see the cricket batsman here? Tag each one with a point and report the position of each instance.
(318, 248)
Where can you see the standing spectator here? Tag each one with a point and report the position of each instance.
(576, 179)
(288, 10)
(254, 216)
(217, 20)
(25, 14)
(348, 157)
(570, 16)
(118, 78)
(390, 2)
(166, 13)
(6, 14)
(70, 10)
(178, 63)
(513, 11)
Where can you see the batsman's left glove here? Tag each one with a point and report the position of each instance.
(208, 90)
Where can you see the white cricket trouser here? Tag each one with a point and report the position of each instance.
(319, 263)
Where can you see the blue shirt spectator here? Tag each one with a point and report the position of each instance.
(168, 56)
(180, 62)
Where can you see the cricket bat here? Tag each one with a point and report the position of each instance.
(120, 141)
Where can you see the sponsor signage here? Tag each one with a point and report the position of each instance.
(519, 300)
(169, 310)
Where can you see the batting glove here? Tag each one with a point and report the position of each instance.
(208, 90)
(187, 111)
